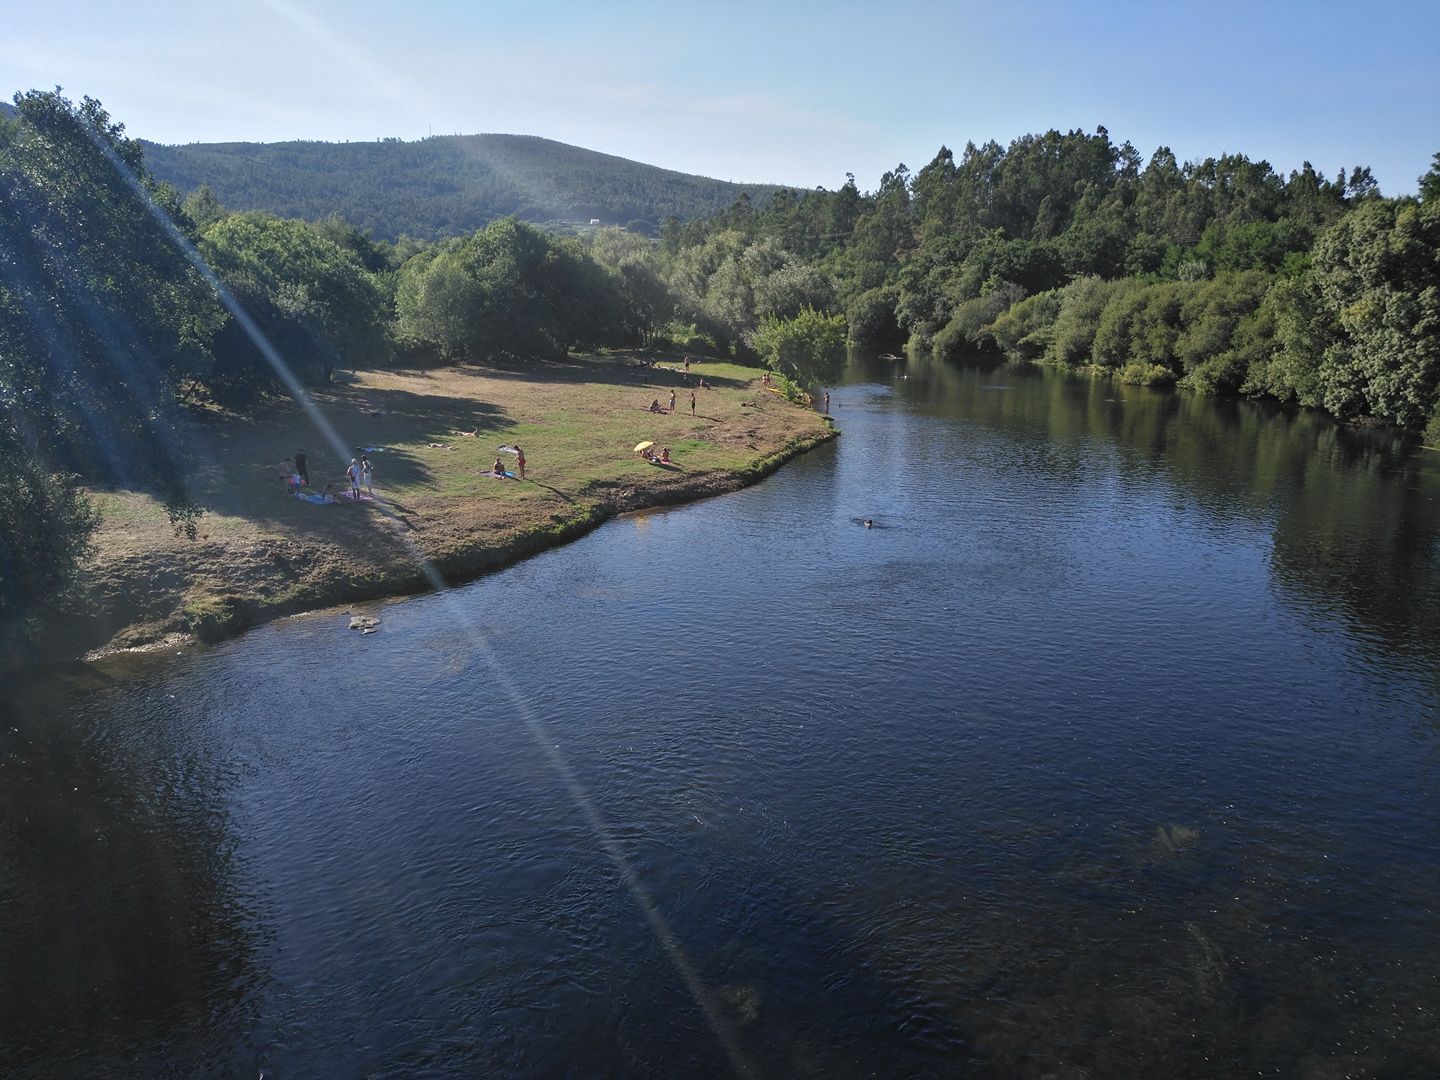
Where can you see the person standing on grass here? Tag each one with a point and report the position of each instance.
(353, 473)
(520, 461)
(692, 402)
(302, 467)
(672, 401)
(367, 471)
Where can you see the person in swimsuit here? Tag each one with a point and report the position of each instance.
(520, 461)
(672, 400)
(692, 402)
(367, 472)
(664, 455)
(499, 467)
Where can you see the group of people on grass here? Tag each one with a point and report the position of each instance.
(295, 471)
(498, 469)
(295, 478)
(656, 407)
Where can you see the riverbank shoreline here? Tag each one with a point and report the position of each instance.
(438, 512)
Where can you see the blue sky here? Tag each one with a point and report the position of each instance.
(796, 93)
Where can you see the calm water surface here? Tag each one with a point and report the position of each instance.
(1111, 751)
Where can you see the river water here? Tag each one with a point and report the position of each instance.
(1111, 750)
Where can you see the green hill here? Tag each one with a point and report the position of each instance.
(445, 185)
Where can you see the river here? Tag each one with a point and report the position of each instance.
(1111, 749)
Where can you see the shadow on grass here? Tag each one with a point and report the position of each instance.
(617, 369)
(552, 490)
(236, 464)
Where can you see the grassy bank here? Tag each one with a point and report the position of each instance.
(260, 554)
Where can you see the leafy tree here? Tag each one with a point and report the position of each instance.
(1377, 271)
(313, 299)
(1078, 319)
(439, 301)
(809, 348)
(103, 321)
(45, 529)
(1430, 182)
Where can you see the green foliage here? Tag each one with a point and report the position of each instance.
(45, 529)
(312, 298)
(1377, 271)
(1073, 336)
(968, 329)
(810, 347)
(1431, 434)
(511, 291)
(1430, 182)
(871, 317)
(1026, 330)
(103, 322)
(647, 301)
(1139, 373)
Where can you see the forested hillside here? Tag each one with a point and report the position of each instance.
(442, 186)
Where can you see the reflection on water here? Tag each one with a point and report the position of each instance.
(1111, 750)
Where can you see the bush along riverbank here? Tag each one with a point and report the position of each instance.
(260, 553)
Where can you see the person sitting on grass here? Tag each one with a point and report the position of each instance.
(664, 455)
(499, 467)
(655, 406)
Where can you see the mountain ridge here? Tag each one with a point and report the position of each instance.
(444, 185)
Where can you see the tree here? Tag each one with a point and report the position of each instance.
(313, 299)
(810, 347)
(45, 528)
(103, 320)
(1430, 182)
(1378, 274)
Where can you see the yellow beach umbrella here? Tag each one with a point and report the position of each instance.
(643, 446)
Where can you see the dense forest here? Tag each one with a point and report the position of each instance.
(125, 306)
(444, 185)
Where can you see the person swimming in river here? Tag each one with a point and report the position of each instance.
(869, 524)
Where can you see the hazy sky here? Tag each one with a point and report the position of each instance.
(797, 93)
